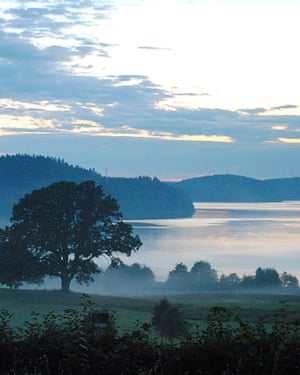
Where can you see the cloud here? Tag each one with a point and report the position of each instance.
(11, 48)
(268, 111)
(129, 132)
(279, 127)
(281, 107)
(53, 17)
(201, 138)
(130, 81)
(151, 48)
(45, 106)
(12, 125)
(289, 140)
(54, 80)
(178, 99)
(253, 111)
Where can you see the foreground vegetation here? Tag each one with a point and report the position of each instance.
(228, 334)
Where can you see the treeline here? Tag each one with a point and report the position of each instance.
(137, 278)
(231, 188)
(203, 277)
(73, 343)
(130, 278)
(139, 198)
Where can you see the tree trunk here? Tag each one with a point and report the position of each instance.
(65, 283)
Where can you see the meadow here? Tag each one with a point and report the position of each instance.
(50, 332)
(131, 311)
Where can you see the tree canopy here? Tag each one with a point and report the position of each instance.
(201, 276)
(16, 264)
(66, 226)
(202, 273)
(130, 278)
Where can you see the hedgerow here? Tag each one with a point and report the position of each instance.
(69, 343)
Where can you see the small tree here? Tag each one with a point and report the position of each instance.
(168, 321)
(65, 226)
(289, 281)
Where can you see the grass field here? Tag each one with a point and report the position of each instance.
(130, 312)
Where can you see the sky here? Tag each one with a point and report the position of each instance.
(168, 89)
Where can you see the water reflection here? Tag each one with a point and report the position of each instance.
(233, 237)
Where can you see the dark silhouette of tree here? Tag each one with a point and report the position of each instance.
(267, 278)
(289, 281)
(248, 282)
(124, 277)
(168, 321)
(179, 277)
(203, 275)
(138, 273)
(65, 226)
(229, 282)
(17, 265)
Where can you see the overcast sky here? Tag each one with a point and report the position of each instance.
(173, 89)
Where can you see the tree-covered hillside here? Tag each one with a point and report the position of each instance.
(140, 197)
(230, 188)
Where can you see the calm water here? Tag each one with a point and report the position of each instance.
(233, 237)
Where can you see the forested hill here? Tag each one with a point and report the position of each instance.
(231, 188)
(139, 198)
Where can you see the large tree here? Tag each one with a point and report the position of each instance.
(66, 226)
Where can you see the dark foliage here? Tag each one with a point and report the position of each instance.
(124, 278)
(203, 277)
(140, 197)
(289, 281)
(231, 188)
(168, 321)
(70, 344)
(179, 278)
(16, 264)
(267, 277)
(64, 227)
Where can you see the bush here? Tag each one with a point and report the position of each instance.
(70, 344)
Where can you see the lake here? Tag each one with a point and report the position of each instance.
(232, 237)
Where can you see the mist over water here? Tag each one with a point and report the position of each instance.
(233, 237)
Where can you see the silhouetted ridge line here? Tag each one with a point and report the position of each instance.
(232, 188)
(139, 198)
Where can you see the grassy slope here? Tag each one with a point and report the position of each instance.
(21, 303)
(128, 311)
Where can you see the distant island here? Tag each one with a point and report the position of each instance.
(231, 188)
(139, 198)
